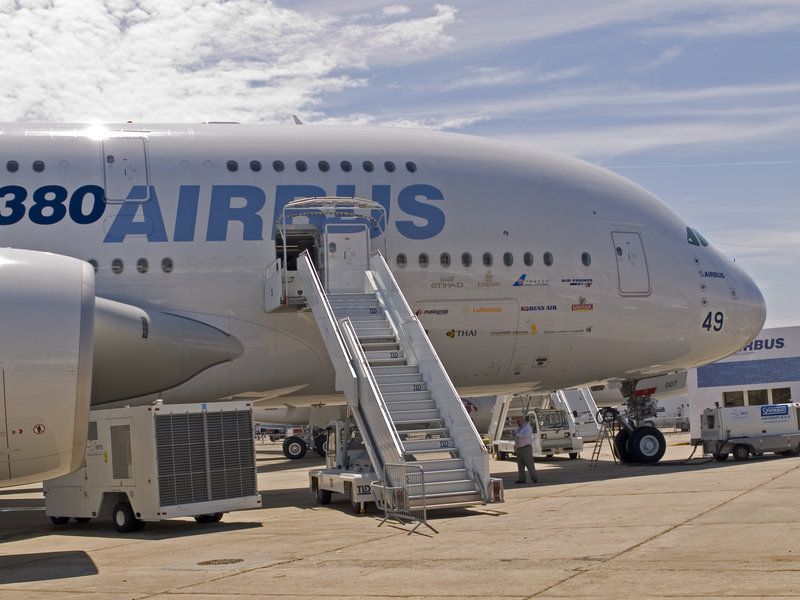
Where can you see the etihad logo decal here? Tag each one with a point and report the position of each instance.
(538, 307)
(584, 282)
(454, 333)
(712, 274)
(582, 306)
(432, 311)
(447, 282)
(488, 281)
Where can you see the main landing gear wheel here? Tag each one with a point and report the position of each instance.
(647, 444)
(621, 446)
(321, 445)
(294, 447)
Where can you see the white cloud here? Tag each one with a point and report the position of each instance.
(245, 60)
(667, 56)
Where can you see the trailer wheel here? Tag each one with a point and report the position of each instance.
(322, 496)
(573, 455)
(125, 520)
(722, 457)
(741, 452)
(294, 447)
(501, 455)
(210, 518)
(60, 520)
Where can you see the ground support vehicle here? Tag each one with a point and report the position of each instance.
(347, 469)
(554, 429)
(751, 430)
(149, 463)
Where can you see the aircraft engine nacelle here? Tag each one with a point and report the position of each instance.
(46, 332)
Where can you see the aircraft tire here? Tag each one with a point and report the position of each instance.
(125, 520)
(321, 444)
(621, 446)
(294, 447)
(322, 496)
(647, 444)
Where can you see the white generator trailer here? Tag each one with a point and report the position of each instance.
(348, 469)
(746, 430)
(149, 463)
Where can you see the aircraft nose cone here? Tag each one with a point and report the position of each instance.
(746, 308)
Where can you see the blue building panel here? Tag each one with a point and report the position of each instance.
(749, 372)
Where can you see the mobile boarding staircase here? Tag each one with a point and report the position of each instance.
(414, 425)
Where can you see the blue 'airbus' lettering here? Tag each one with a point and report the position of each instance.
(230, 208)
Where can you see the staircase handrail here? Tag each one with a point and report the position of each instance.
(416, 342)
(373, 419)
(346, 379)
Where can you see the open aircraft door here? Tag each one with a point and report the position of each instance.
(634, 278)
(347, 256)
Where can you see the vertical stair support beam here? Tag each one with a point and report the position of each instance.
(414, 339)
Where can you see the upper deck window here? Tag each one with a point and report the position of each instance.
(695, 239)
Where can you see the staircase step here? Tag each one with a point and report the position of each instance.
(401, 425)
(376, 346)
(431, 432)
(426, 445)
(399, 406)
(436, 488)
(446, 475)
(384, 354)
(384, 362)
(381, 372)
(441, 464)
(417, 416)
(391, 397)
(410, 378)
(402, 387)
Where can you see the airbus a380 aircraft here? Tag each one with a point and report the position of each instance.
(135, 259)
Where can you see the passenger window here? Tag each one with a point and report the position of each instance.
(508, 259)
(401, 261)
(586, 259)
(487, 259)
(548, 259)
(444, 260)
(527, 258)
(423, 260)
(466, 259)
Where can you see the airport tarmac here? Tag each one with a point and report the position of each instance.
(696, 529)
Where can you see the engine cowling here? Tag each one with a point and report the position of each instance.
(46, 336)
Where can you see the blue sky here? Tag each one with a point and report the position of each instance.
(696, 100)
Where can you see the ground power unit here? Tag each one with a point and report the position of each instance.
(150, 463)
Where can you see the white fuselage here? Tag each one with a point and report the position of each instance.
(573, 274)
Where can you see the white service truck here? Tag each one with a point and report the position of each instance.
(149, 463)
(554, 429)
(751, 430)
(348, 469)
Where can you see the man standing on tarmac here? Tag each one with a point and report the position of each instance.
(523, 439)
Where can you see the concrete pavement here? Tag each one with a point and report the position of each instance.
(696, 529)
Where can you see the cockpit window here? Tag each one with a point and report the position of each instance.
(695, 239)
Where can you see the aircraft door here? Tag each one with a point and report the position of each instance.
(634, 279)
(346, 256)
(125, 167)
